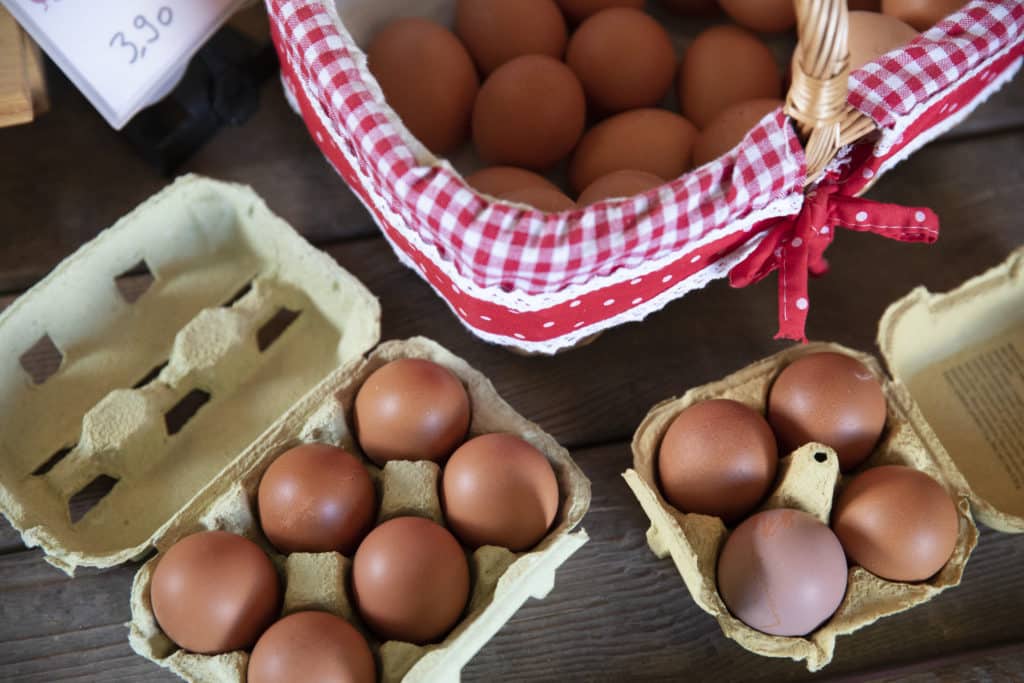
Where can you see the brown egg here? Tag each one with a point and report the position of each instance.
(411, 409)
(316, 498)
(730, 127)
(832, 399)
(578, 10)
(410, 578)
(873, 34)
(214, 592)
(499, 490)
(498, 180)
(725, 65)
(717, 458)
(921, 14)
(497, 31)
(623, 183)
(896, 522)
(766, 16)
(651, 140)
(312, 646)
(428, 78)
(530, 112)
(623, 58)
(782, 572)
(692, 7)
(542, 198)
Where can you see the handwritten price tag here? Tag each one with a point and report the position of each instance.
(122, 54)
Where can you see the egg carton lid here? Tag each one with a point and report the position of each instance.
(154, 356)
(960, 355)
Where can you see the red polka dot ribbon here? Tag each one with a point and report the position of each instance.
(795, 246)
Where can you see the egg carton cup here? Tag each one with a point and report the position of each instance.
(174, 339)
(808, 480)
(501, 580)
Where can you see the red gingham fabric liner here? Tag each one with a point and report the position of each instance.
(897, 82)
(498, 245)
(541, 281)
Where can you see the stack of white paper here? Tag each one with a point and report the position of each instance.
(122, 54)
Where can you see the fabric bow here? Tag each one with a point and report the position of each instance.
(795, 246)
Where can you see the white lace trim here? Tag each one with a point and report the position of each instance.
(698, 280)
(892, 136)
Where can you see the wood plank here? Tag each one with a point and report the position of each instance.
(272, 152)
(15, 90)
(711, 333)
(999, 663)
(35, 73)
(68, 175)
(616, 613)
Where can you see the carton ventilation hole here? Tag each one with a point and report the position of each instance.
(246, 288)
(134, 282)
(52, 461)
(89, 496)
(275, 327)
(42, 360)
(178, 416)
(150, 376)
(821, 457)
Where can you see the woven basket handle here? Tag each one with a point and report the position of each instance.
(817, 95)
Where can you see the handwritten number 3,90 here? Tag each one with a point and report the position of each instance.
(164, 17)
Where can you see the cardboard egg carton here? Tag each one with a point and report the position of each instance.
(501, 580)
(153, 356)
(180, 352)
(808, 480)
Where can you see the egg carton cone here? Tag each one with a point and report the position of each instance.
(156, 354)
(808, 480)
(501, 580)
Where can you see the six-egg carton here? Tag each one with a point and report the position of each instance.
(177, 355)
(945, 352)
(501, 580)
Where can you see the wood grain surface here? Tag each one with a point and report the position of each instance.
(616, 613)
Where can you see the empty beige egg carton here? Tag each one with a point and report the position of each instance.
(154, 355)
(807, 480)
(501, 580)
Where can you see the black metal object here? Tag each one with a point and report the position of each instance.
(220, 87)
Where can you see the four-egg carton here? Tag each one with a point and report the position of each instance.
(178, 354)
(937, 348)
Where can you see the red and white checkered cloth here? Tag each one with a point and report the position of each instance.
(896, 83)
(542, 282)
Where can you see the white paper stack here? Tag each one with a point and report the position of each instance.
(123, 55)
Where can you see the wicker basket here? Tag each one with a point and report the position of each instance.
(542, 282)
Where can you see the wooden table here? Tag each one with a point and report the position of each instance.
(617, 613)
